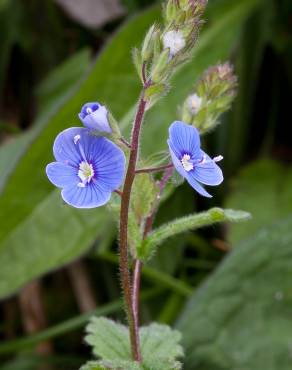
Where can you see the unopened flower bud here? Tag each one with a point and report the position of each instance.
(95, 117)
(149, 44)
(175, 41)
(213, 95)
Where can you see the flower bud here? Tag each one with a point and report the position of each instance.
(149, 44)
(95, 116)
(213, 95)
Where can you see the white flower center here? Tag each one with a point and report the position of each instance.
(89, 110)
(194, 103)
(185, 161)
(85, 173)
(174, 40)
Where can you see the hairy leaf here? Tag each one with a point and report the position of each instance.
(187, 223)
(110, 342)
(241, 317)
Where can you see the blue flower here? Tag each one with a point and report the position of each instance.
(88, 168)
(190, 161)
(95, 116)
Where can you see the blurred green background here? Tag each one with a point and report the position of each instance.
(227, 288)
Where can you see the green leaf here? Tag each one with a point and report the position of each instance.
(112, 365)
(160, 343)
(143, 196)
(58, 85)
(25, 253)
(134, 230)
(265, 189)
(110, 341)
(241, 317)
(51, 94)
(187, 223)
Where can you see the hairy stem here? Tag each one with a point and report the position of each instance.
(123, 247)
(147, 228)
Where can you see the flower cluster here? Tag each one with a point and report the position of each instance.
(168, 46)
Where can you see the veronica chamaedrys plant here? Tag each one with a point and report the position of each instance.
(90, 167)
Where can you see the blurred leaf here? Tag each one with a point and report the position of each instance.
(241, 317)
(110, 342)
(28, 187)
(52, 92)
(265, 190)
(254, 39)
(58, 85)
(181, 225)
(26, 253)
(10, 153)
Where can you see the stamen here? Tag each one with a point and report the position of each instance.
(89, 110)
(85, 173)
(218, 158)
(185, 161)
(76, 139)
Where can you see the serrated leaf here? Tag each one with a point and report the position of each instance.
(160, 342)
(214, 215)
(159, 345)
(93, 365)
(108, 339)
(241, 317)
(111, 365)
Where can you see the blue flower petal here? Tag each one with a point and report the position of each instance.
(207, 172)
(62, 175)
(65, 149)
(177, 163)
(95, 116)
(184, 139)
(108, 160)
(194, 184)
(90, 196)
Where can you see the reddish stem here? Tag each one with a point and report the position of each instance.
(147, 228)
(125, 202)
